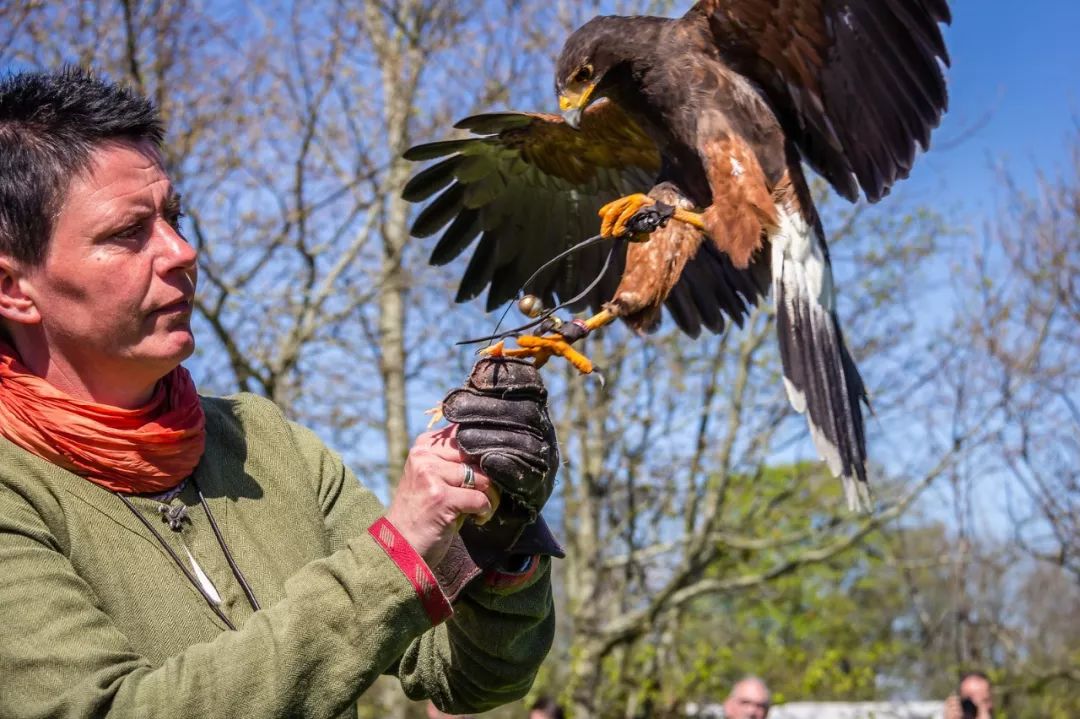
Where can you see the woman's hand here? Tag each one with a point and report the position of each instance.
(430, 498)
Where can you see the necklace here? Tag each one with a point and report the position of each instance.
(176, 516)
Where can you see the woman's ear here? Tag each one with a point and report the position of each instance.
(16, 301)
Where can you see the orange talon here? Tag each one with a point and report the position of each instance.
(541, 349)
(539, 354)
(690, 218)
(615, 214)
(604, 317)
(495, 350)
(550, 345)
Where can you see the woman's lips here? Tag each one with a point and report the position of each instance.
(178, 307)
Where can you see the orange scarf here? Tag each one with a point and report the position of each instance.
(131, 451)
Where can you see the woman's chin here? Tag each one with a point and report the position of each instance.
(171, 350)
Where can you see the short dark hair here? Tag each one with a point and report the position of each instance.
(50, 123)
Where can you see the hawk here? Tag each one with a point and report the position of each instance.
(709, 116)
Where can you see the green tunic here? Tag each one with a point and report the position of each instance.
(97, 620)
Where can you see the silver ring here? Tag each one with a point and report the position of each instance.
(470, 477)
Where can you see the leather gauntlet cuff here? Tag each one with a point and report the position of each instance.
(488, 551)
(467, 559)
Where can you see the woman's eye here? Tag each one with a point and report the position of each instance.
(128, 233)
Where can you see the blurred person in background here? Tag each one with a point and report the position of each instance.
(749, 699)
(546, 708)
(974, 698)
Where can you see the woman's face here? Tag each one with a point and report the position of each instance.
(114, 294)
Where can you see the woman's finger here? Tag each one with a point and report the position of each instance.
(468, 501)
(472, 478)
(456, 472)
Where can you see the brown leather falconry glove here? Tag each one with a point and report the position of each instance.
(504, 428)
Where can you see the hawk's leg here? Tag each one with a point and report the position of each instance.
(541, 349)
(616, 215)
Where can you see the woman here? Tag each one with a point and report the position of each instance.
(166, 554)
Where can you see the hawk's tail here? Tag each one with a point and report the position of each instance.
(821, 379)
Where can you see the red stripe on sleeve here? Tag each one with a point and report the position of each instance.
(414, 568)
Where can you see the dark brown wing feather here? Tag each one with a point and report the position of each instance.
(710, 283)
(856, 83)
(529, 187)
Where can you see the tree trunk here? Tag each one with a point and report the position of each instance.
(392, 337)
(586, 677)
(587, 407)
(400, 65)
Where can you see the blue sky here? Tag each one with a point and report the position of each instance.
(1016, 65)
(1015, 102)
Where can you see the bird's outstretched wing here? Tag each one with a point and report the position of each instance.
(529, 187)
(856, 83)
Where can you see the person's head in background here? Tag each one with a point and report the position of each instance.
(749, 699)
(546, 708)
(975, 688)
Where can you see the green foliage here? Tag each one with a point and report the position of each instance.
(877, 621)
(821, 631)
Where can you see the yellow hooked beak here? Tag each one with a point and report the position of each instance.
(573, 104)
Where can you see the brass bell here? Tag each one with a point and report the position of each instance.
(531, 306)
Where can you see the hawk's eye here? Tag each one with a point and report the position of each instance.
(584, 74)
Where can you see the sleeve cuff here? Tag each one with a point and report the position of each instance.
(414, 568)
(456, 569)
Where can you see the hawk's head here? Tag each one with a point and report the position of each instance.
(585, 71)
